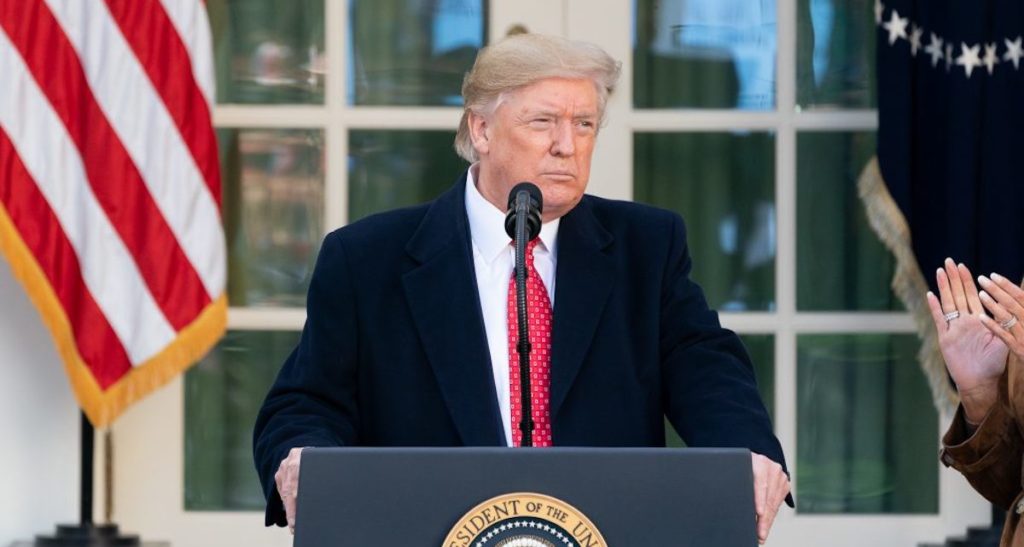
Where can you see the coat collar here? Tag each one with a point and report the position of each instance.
(584, 280)
(445, 306)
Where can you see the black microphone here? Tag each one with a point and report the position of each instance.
(525, 198)
(522, 224)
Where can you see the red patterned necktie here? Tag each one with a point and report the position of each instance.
(539, 306)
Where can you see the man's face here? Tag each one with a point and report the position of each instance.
(543, 133)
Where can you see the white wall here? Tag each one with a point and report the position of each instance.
(39, 459)
(38, 423)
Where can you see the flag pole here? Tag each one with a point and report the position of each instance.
(85, 493)
(86, 533)
(108, 476)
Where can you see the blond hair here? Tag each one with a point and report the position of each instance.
(524, 59)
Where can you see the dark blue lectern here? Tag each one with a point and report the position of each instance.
(548, 497)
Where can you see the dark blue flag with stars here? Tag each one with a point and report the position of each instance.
(949, 181)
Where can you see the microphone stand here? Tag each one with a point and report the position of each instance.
(523, 347)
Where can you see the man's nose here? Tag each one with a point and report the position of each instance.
(562, 142)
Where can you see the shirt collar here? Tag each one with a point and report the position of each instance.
(487, 223)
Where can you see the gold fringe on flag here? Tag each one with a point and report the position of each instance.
(103, 406)
(908, 282)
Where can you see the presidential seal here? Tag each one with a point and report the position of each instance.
(524, 519)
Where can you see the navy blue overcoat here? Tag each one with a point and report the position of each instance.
(394, 351)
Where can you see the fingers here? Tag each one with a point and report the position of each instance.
(1004, 309)
(760, 496)
(957, 286)
(287, 482)
(941, 325)
(998, 330)
(945, 292)
(1005, 293)
(289, 510)
(957, 293)
(777, 492)
(973, 301)
(1010, 287)
(771, 485)
(760, 485)
(997, 310)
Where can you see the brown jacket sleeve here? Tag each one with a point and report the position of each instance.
(990, 458)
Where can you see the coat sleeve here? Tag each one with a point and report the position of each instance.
(708, 380)
(990, 457)
(313, 400)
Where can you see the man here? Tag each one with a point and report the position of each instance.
(407, 338)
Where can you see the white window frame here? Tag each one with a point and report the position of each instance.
(149, 438)
(612, 174)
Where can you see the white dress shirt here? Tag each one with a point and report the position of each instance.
(494, 260)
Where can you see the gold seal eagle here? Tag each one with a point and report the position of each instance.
(524, 519)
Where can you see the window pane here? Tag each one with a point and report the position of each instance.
(390, 169)
(273, 213)
(835, 53)
(841, 263)
(867, 431)
(223, 393)
(762, 351)
(268, 51)
(704, 54)
(724, 186)
(412, 52)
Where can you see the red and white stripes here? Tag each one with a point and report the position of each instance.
(109, 182)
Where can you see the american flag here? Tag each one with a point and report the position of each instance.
(110, 187)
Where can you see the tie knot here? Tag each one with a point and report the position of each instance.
(530, 246)
(529, 251)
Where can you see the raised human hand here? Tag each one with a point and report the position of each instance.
(1005, 301)
(974, 355)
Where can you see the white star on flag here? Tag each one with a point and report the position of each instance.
(915, 39)
(934, 49)
(879, 9)
(969, 58)
(897, 27)
(991, 59)
(1014, 51)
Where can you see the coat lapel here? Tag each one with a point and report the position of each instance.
(584, 279)
(442, 296)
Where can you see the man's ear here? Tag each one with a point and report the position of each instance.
(479, 133)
